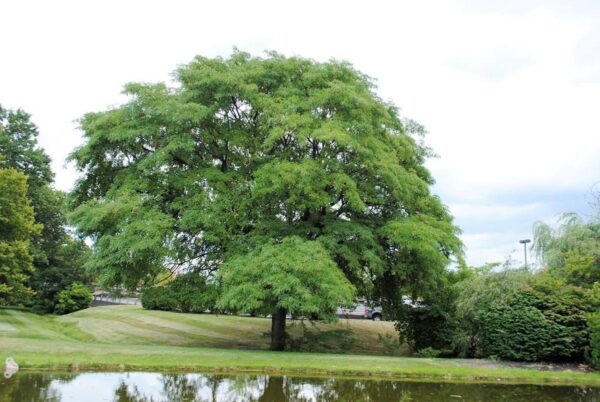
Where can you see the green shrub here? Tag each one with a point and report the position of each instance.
(431, 326)
(516, 331)
(516, 315)
(428, 352)
(65, 268)
(188, 293)
(543, 322)
(192, 294)
(477, 293)
(594, 329)
(158, 298)
(74, 298)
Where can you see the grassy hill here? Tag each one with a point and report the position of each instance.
(136, 326)
(130, 338)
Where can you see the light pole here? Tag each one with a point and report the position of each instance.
(524, 243)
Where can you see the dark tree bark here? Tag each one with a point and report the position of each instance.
(278, 329)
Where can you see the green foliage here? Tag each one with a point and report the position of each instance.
(543, 319)
(17, 227)
(188, 293)
(296, 275)
(570, 251)
(582, 270)
(486, 286)
(518, 331)
(482, 289)
(428, 353)
(594, 328)
(569, 283)
(431, 326)
(193, 294)
(57, 262)
(479, 290)
(67, 268)
(432, 323)
(247, 150)
(132, 248)
(159, 298)
(20, 151)
(74, 298)
(19, 148)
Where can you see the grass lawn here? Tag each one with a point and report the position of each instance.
(128, 337)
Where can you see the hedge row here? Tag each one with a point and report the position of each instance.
(188, 293)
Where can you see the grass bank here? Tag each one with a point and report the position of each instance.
(129, 338)
(132, 325)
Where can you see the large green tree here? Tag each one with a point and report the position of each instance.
(17, 227)
(246, 152)
(57, 258)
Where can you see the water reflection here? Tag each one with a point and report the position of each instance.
(154, 387)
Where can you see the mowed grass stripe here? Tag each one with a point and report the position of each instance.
(144, 329)
(222, 324)
(35, 326)
(175, 326)
(152, 332)
(9, 321)
(133, 331)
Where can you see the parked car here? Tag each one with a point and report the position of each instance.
(375, 313)
(361, 310)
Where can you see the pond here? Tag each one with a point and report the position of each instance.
(146, 387)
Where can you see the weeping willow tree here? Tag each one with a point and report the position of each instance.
(571, 249)
(255, 165)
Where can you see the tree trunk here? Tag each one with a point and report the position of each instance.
(278, 329)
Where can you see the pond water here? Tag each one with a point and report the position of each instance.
(146, 387)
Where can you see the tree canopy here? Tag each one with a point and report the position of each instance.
(57, 258)
(571, 250)
(20, 151)
(245, 152)
(17, 227)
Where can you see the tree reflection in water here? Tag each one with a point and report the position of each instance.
(154, 387)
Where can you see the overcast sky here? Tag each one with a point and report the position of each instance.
(508, 90)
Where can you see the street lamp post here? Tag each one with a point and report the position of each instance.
(524, 243)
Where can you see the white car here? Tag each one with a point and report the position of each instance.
(361, 311)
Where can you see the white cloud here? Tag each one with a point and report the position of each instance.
(493, 213)
(493, 247)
